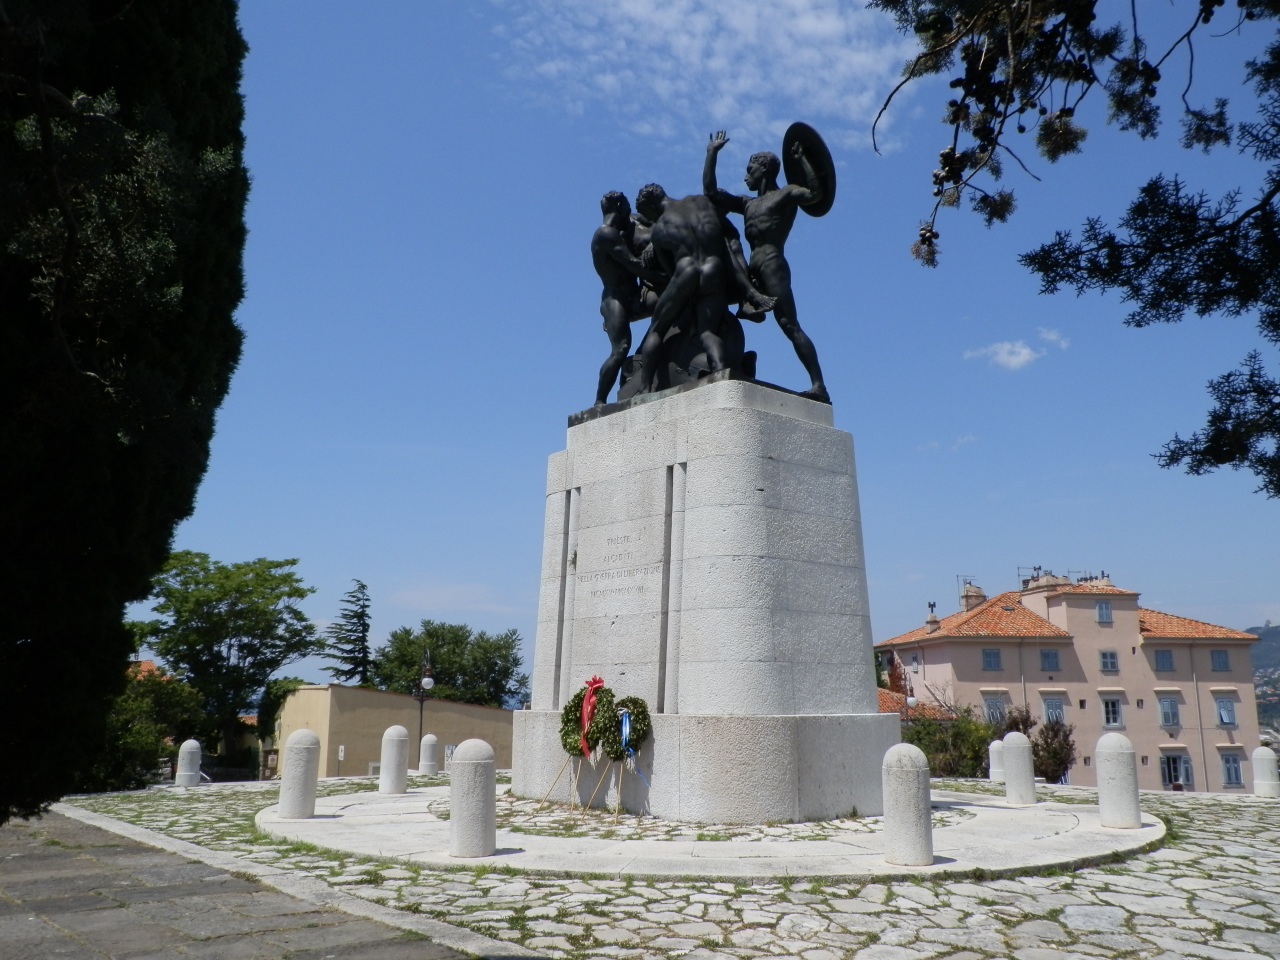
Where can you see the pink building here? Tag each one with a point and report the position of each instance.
(1086, 653)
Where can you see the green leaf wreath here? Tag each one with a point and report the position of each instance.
(571, 721)
(611, 740)
(606, 725)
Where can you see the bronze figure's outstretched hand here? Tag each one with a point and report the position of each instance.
(717, 141)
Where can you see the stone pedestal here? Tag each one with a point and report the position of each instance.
(703, 550)
(298, 776)
(1117, 767)
(189, 757)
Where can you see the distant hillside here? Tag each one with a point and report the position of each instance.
(1266, 652)
(1266, 673)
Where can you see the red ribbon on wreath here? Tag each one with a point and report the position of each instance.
(589, 710)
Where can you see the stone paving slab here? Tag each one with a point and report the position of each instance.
(117, 902)
(303, 896)
(993, 838)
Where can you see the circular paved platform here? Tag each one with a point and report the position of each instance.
(990, 838)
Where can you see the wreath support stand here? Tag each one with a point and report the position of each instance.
(599, 782)
(553, 784)
(617, 811)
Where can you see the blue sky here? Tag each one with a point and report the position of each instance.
(421, 314)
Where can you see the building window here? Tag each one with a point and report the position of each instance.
(915, 663)
(995, 709)
(1164, 661)
(1219, 661)
(1168, 712)
(1226, 712)
(1049, 661)
(1053, 710)
(1111, 711)
(1175, 769)
(1109, 661)
(1103, 610)
(990, 659)
(1231, 774)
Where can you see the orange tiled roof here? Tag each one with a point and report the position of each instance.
(1154, 624)
(1091, 588)
(891, 702)
(1001, 616)
(142, 668)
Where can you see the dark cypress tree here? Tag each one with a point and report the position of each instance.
(122, 194)
(347, 640)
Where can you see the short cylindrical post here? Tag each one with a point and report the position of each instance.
(427, 764)
(188, 774)
(1266, 782)
(393, 773)
(298, 778)
(473, 801)
(1019, 771)
(995, 761)
(908, 821)
(1117, 782)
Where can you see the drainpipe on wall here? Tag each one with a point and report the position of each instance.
(1195, 687)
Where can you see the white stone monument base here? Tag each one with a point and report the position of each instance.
(721, 769)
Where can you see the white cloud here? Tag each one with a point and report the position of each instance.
(964, 441)
(454, 598)
(1010, 354)
(1049, 335)
(666, 67)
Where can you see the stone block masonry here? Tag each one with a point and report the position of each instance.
(703, 550)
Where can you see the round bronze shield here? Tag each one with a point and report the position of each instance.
(819, 158)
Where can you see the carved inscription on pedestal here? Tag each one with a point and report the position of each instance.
(624, 566)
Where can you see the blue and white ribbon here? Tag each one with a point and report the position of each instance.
(625, 714)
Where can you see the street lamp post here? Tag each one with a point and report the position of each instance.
(424, 689)
(911, 702)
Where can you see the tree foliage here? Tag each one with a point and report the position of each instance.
(1017, 718)
(1053, 750)
(229, 627)
(954, 748)
(347, 639)
(154, 714)
(274, 694)
(467, 666)
(122, 196)
(959, 747)
(1025, 67)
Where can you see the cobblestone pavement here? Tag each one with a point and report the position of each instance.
(1213, 892)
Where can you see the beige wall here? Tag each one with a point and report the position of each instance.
(355, 718)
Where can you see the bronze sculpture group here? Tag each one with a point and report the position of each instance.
(680, 262)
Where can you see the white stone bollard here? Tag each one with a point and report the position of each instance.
(188, 774)
(427, 765)
(298, 778)
(1266, 782)
(995, 761)
(1019, 771)
(393, 774)
(472, 801)
(1117, 766)
(908, 819)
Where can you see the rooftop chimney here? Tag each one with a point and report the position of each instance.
(971, 596)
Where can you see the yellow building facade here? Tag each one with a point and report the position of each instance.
(350, 722)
